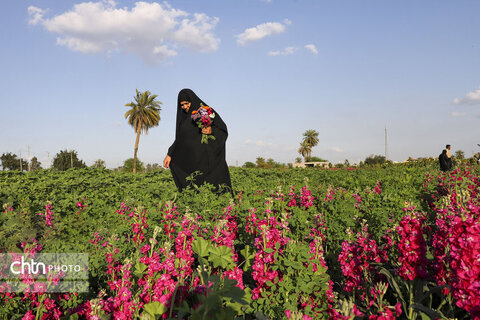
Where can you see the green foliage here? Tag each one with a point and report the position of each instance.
(310, 140)
(260, 162)
(99, 163)
(128, 165)
(249, 164)
(217, 256)
(317, 159)
(11, 162)
(305, 150)
(300, 284)
(150, 167)
(374, 160)
(35, 164)
(65, 160)
(144, 113)
(223, 300)
(459, 155)
(102, 191)
(17, 226)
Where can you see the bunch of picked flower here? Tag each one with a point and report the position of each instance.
(203, 117)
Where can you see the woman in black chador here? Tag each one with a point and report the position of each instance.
(445, 159)
(187, 154)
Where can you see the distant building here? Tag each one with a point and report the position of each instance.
(321, 164)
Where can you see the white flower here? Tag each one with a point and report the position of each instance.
(212, 115)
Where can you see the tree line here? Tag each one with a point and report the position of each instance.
(144, 114)
(67, 159)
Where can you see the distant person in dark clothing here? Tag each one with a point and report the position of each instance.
(188, 154)
(445, 159)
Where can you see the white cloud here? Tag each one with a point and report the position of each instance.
(261, 31)
(284, 52)
(152, 30)
(337, 149)
(458, 114)
(36, 15)
(471, 98)
(258, 143)
(163, 51)
(312, 48)
(268, 146)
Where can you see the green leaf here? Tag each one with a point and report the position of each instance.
(221, 257)
(139, 269)
(201, 247)
(433, 290)
(431, 313)
(393, 283)
(155, 308)
(249, 256)
(236, 294)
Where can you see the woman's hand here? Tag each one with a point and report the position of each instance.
(207, 130)
(166, 161)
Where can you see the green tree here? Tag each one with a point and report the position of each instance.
(459, 155)
(311, 138)
(144, 114)
(99, 163)
(129, 163)
(317, 159)
(65, 160)
(153, 167)
(298, 160)
(11, 162)
(249, 164)
(260, 162)
(270, 163)
(304, 150)
(35, 164)
(375, 160)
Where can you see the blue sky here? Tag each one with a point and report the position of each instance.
(272, 69)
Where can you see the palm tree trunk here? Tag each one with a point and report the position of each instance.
(136, 148)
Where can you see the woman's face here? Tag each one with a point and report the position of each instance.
(185, 105)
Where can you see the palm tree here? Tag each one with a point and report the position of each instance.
(311, 138)
(143, 115)
(304, 150)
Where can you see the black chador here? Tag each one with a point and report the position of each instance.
(187, 152)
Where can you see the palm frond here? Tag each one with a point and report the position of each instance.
(144, 111)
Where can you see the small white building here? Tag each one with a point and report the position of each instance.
(320, 164)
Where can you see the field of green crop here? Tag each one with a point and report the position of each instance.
(292, 243)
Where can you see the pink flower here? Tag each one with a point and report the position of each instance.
(29, 316)
(288, 313)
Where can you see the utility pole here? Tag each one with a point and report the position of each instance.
(71, 159)
(21, 167)
(29, 159)
(386, 154)
(48, 156)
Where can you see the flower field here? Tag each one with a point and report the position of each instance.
(395, 242)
